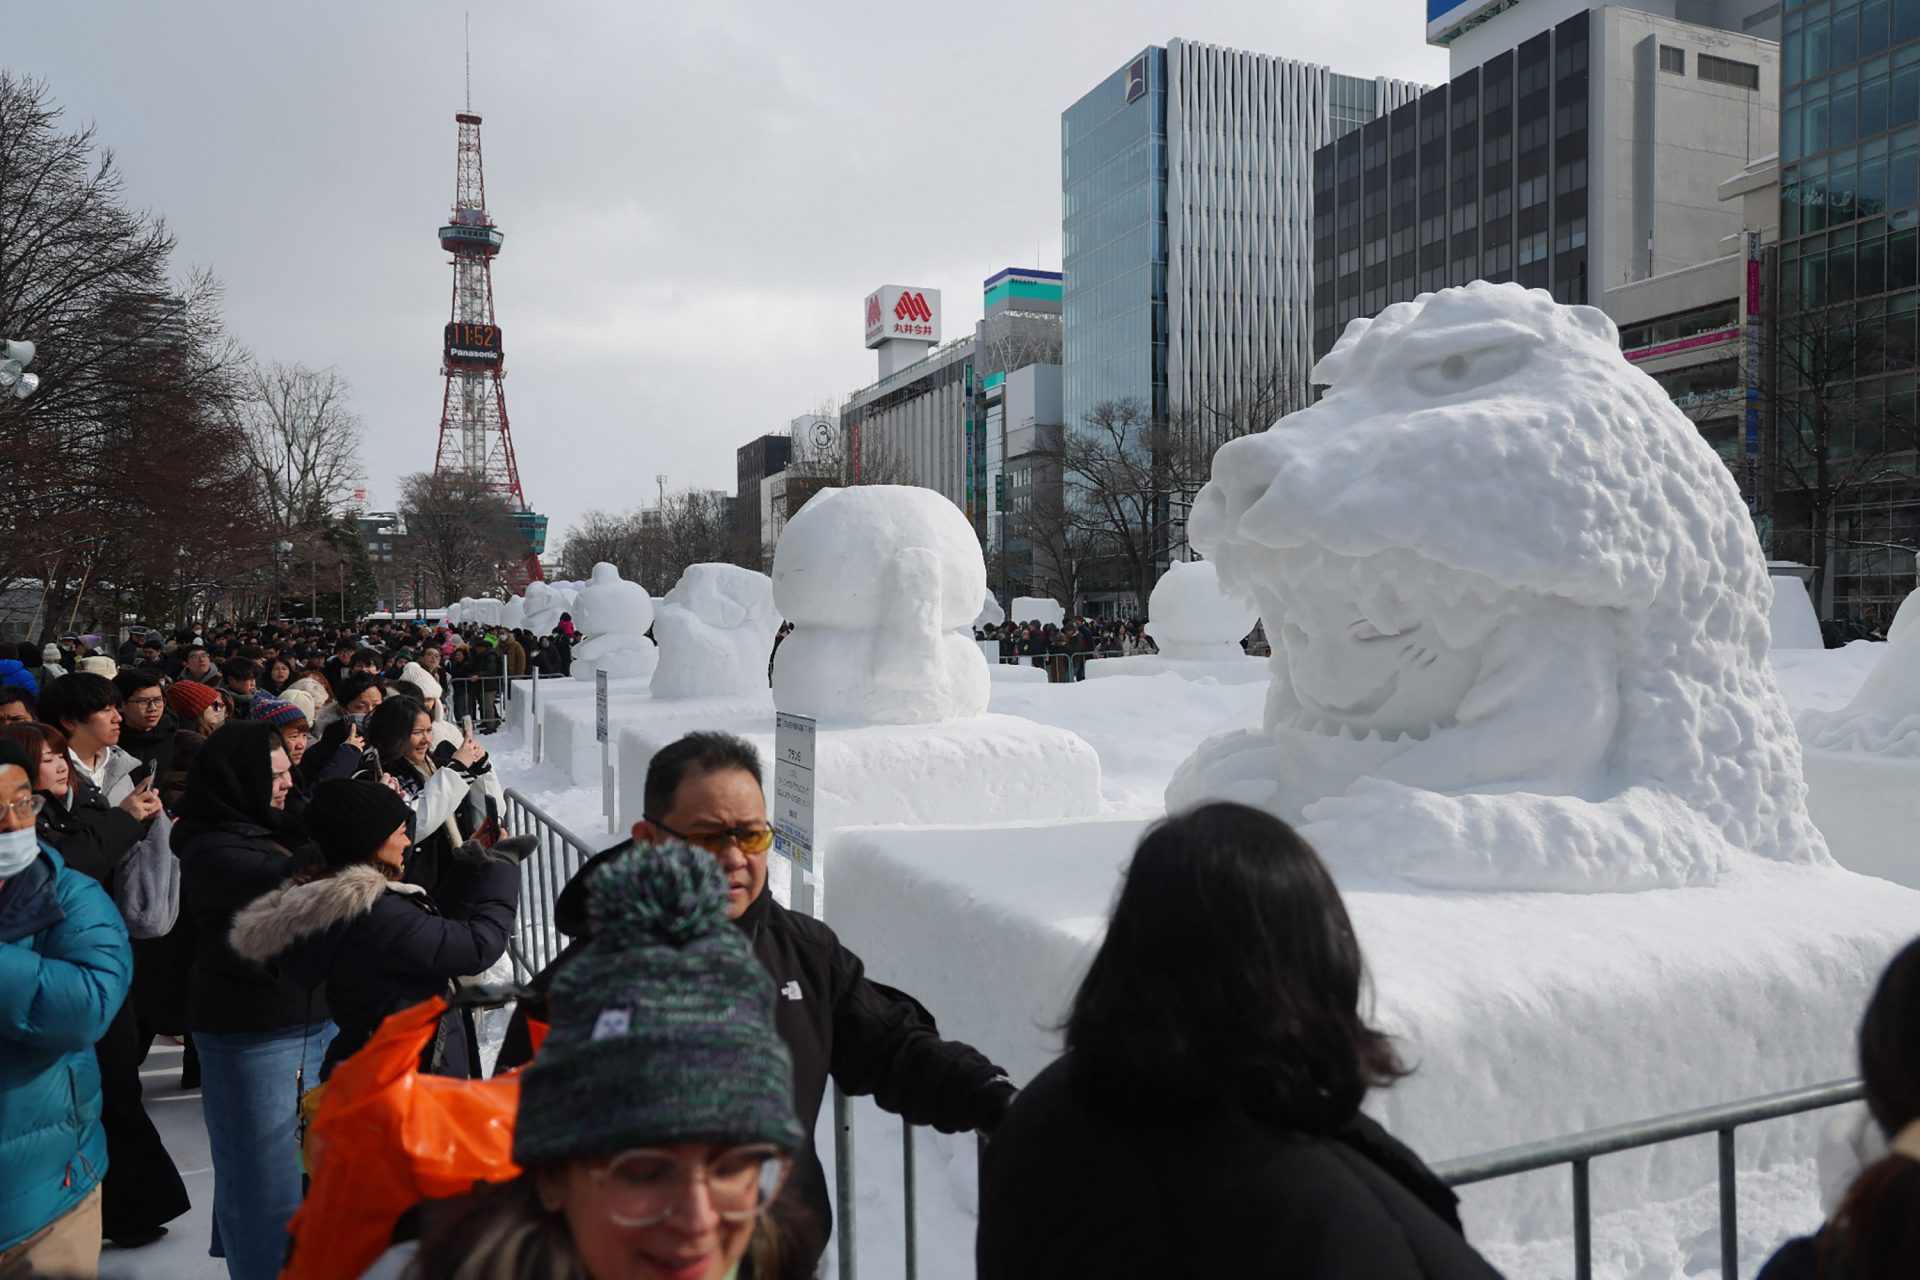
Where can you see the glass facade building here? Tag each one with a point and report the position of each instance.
(1113, 172)
(1849, 182)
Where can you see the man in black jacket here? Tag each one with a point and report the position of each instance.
(872, 1039)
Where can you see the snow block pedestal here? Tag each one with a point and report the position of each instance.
(1867, 805)
(1524, 1015)
(1233, 670)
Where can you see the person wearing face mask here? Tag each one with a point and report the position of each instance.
(378, 943)
(64, 969)
(260, 1037)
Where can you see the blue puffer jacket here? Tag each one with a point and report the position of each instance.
(14, 672)
(64, 968)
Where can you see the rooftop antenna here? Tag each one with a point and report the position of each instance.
(469, 45)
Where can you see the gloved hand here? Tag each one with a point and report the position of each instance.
(473, 853)
(995, 1102)
(515, 848)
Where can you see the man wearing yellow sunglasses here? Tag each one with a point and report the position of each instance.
(870, 1038)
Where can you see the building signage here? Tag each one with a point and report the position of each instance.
(1683, 344)
(1445, 17)
(1137, 79)
(903, 311)
(473, 346)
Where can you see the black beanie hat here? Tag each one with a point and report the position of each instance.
(352, 818)
(15, 754)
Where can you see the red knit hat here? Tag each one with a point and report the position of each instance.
(188, 699)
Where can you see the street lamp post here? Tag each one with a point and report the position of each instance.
(280, 550)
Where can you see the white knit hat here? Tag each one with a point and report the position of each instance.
(415, 674)
(308, 704)
(99, 665)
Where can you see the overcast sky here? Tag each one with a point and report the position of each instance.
(696, 196)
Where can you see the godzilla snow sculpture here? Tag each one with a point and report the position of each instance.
(1518, 613)
(715, 630)
(614, 615)
(877, 581)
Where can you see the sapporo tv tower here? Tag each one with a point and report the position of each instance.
(474, 436)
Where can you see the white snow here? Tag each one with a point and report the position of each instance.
(1530, 653)
(1191, 618)
(1036, 609)
(614, 615)
(881, 584)
(1792, 623)
(715, 630)
(545, 602)
(991, 614)
(1883, 717)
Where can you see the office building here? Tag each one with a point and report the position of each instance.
(1187, 224)
(1474, 31)
(1849, 146)
(1588, 157)
(754, 462)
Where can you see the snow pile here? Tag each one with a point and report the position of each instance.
(1192, 619)
(1793, 623)
(715, 630)
(513, 613)
(991, 614)
(1884, 716)
(879, 582)
(1037, 609)
(1530, 653)
(614, 615)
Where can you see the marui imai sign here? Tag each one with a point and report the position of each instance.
(903, 311)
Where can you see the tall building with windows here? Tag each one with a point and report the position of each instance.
(1589, 156)
(1187, 223)
(1844, 370)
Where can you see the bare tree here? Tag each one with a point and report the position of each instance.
(1123, 474)
(302, 441)
(602, 536)
(461, 534)
(1064, 549)
(1832, 439)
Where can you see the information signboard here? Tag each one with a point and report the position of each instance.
(793, 740)
(599, 706)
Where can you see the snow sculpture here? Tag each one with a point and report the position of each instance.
(1191, 619)
(545, 602)
(614, 615)
(1884, 716)
(715, 630)
(1519, 616)
(513, 614)
(480, 611)
(877, 581)
(1038, 609)
(991, 614)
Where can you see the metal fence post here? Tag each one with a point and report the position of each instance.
(1729, 1210)
(533, 715)
(909, 1184)
(1582, 1223)
(843, 1183)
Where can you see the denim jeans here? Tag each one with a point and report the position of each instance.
(248, 1095)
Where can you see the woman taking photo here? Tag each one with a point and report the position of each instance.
(258, 1035)
(447, 799)
(1205, 1118)
(675, 1168)
(379, 944)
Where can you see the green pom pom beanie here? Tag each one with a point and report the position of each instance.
(662, 1023)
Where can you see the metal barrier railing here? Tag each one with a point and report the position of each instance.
(1580, 1149)
(847, 1264)
(543, 875)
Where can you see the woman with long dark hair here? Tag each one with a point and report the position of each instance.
(444, 793)
(1205, 1118)
(261, 1038)
(1876, 1230)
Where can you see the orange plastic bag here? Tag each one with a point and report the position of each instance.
(387, 1137)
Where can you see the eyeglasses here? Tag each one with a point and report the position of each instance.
(751, 840)
(147, 704)
(28, 807)
(645, 1186)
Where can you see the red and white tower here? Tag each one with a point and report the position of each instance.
(474, 435)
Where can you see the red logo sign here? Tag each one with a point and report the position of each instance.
(912, 306)
(873, 312)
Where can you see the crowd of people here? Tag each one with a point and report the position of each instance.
(272, 874)
(1063, 649)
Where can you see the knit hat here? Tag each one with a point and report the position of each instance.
(351, 818)
(300, 700)
(188, 698)
(50, 653)
(269, 710)
(418, 676)
(662, 1023)
(99, 665)
(14, 754)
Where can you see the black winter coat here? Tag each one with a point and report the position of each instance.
(154, 748)
(223, 867)
(870, 1038)
(381, 947)
(92, 836)
(1066, 1192)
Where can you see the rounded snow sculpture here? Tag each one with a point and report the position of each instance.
(1884, 716)
(545, 602)
(513, 614)
(715, 630)
(876, 581)
(991, 614)
(614, 615)
(1191, 618)
(1518, 613)
(1040, 609)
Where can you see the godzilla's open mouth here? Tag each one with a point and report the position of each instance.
(1381, 648)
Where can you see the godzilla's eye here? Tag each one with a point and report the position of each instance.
(1465, 370)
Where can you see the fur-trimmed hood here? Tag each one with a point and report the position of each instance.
(289, 917)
